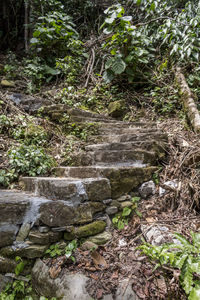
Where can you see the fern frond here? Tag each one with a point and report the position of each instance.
(180, 260)
(182, 239)
(196, 240)
(195, 293)
(187, 277)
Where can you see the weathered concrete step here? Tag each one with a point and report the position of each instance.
(72, 190)
(114, 138)
(114, 156)
(123, 177)
(148, 145)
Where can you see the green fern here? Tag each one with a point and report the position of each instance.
(184, 256)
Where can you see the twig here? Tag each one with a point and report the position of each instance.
(91, 67)
(170, 220)
(160, 18)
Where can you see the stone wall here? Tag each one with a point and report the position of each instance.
(29, 224)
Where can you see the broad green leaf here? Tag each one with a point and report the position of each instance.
(126, 211)
(127, 18)
(52, 71)
(109, 20)
(129, 58)
(108, 63)
(120, 225)
(118, 66)
(34, 41)
(108, 76)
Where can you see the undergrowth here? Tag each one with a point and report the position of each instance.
(184, 256)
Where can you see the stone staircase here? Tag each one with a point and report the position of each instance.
(77, 201)
(123, 156)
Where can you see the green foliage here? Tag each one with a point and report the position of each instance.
(29, 160)
(152, 29)
(5, 124)
(121, 219)
(11, 66)
(57, 250)
(20, 266)
(82, 131)
(30, 134)
(70, 248)
(53, 33)
(7, 177)
(38, 71)
(54, 250)
(165, 99)
(127, 47)
(183, 256)
(16, 291)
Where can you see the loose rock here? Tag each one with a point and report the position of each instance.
(147, 189)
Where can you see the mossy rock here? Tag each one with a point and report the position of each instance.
(117, 109)
(85, 230)
(33, 131)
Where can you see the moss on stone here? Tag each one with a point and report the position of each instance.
(116, 109)
(85, 230)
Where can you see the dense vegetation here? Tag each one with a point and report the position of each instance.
(90, 53)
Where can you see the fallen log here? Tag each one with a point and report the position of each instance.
(188, 100)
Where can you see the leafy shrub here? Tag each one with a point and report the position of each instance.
(57, 250)
(152, 29)
(127, 46)
(60, 52)
(5, 124)
(122, 219)
(38, 71)
(7, 177)
(184, 256)
(30, 134)
(29, 160)
(52, 35)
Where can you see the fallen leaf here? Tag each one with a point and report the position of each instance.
(99, 260)
(94, 276)
(150, 220)
(99, 293)
(54, 271)
(115, 275)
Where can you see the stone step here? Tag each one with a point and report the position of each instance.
(82, 119)
(148, 145)
(123, 138)
(120, 124)
(120, 130)
(72, 190)
(63, 108)
(123, 177)
(103, 157)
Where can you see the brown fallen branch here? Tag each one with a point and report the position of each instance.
(188, 100)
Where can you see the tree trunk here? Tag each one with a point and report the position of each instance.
(26, 35)
(188, 100)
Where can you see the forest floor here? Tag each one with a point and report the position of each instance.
(178, 210)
